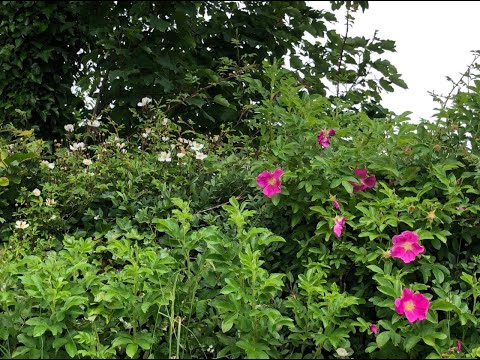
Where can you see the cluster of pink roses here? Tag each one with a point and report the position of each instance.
(405, 246)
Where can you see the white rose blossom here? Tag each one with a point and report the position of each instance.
(87, 162)
(145, 101)
(200, 156)
(50, 165)
(36, 192)
(50, 202)
(77, 146)
(196, 146)
(165, 157)
(69, 128)
(21, 224)
(342, 352)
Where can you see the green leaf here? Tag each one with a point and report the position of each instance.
(219, 99)
(4, 181)
(131, 350)
(411, 342)
(227, 323)
(383, 338)
(375, 268)
(442, 305)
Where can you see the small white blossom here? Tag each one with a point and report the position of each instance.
(50, 165)
(180, 155)
(165, 121)
(87, 162)
(124, 151)
(94, 123)
(172, 146)
(210, 349)
(69, 128)
(36, 192)
(196, 146)
(53, 217)
(145, 101)
(342, 352)
(50, 202)
(165, 157)
(21, 224)
(165, 138)
(77, 146)
(120, 145)
(200, 156)
(145, 135)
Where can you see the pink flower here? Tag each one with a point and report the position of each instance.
(334, 201)
(324, 137)
(270, 182)
(406, 246)
(366, 182)
(459, 346)
(413, 305)
(339, 225)
(374, 328)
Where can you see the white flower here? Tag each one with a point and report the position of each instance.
(165, 121)
(77, 146)
(91, 173)
(21, 224)
(120, 145)
(53, 217)
(69, 128)
(94, 123)
(82, 123)
(145, 135)
(50, 202)
(180, 155)
(87, 162)
(145, 101)
(200, 156)
(165, 138)
(210, 349)
(172, 146)
(124, 151)
(50, 165)
(196, 146)
(165, 157)
(36, 192)
(342, 352)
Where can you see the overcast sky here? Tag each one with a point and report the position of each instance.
(433, 40)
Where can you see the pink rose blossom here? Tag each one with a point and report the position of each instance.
(324, 137)
(413, 305)
(339, 225)
(334, 201)
(366, 182)
(459, 346)
(374, 328)
(406, 246)
(270, 182)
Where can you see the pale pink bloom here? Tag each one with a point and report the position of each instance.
(324, 137)
(339, 225)
(270, 182)
(413, 305)
(406, 246)
(366, 182)
(374, 328)
(459, 346)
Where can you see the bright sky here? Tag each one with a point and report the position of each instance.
(433, 40)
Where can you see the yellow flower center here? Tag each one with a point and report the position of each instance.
(407, 246)
(272, 181)
(409, 305)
